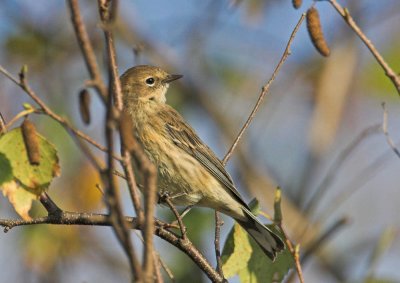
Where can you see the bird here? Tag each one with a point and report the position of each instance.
(189, 172)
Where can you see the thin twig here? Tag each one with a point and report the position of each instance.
(20, 115)
(295, 252)
(23, 84)
(130, 179)
(386, 133)
(167, 270)
(166, 199)
(149, 172)
(278, 217)
(86, 48)
(157, 267)
(114, 203)
(218, 223)
(395, 78)
(264, 90)
(158, 260)
(297, 263)
(107, 15)
(188, 248)
(112, 198)
(3, 127)
(150, 188)
(76, 134)
(128, 144)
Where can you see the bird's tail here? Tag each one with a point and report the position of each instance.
(268, 241)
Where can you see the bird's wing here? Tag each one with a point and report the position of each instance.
(185, 138)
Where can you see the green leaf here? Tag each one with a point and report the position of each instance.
(5, 169)
(34, 178)
(237, 251)
(241, 255)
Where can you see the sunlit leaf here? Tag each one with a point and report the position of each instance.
(237, 251)
(242, 256)
(20, 198)
(34, 178)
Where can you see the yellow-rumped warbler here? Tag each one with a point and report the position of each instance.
(188, 169)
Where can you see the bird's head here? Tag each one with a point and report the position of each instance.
(146, 84)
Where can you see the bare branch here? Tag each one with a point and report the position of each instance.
(86, 48)
(94, 219)
(264, 90)
(352, 24)
(112, 198)
(23, 84)
(218, 223)
(150, 186)
(278, 221)
(129, 143)
(20, 115)
(165, 198)
(3, 127)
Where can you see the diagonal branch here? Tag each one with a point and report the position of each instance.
(264, 90)
(165, 198)
(395, 78)
(23, 84)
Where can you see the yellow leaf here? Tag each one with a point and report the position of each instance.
(20, 198)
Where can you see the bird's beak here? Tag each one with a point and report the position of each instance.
(171, 78)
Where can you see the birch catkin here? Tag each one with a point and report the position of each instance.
(84, 105)
(297, 3)
(315, 31)
(31, 142)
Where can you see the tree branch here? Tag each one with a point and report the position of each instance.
(352, 24)
(112, 198)
(23, 84)
(95, 219)
(86, 48)
(166, 199)
(264, 90)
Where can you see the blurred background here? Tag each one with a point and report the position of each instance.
(313, 136)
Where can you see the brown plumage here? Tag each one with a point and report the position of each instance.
(187, 168)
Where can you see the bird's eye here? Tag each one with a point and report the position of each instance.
(150, 81)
